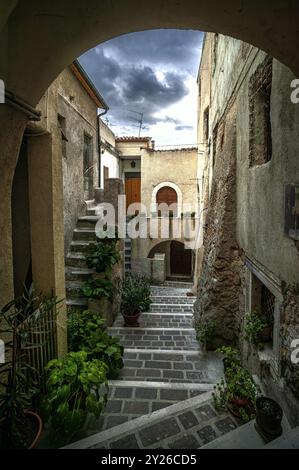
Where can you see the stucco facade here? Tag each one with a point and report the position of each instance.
(246, 249)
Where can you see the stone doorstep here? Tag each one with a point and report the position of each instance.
(201, 387)
(141, 330)
(126, 428)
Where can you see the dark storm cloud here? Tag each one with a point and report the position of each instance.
(123, 70)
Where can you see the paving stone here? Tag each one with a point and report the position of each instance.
(207, 434)
(123, 392)
(188, 420)
(173, 394)
(225, 425)
(159, 431)
(186, 442)
(115, 421)
(113, 406)
(173, 374)
(148, 372)
(136, 407)
(131, 355)
(149, 393)
(206, 412)
(183, 365)
(128, 442)
(158, 405)
(143, 356)
(157, 365)
(130, 363)
(168, 357)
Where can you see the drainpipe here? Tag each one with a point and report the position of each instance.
(99, 141)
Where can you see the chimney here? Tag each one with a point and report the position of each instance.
(153, 145)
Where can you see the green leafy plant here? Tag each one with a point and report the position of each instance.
(81, 325)
(102, 255)
(238, 392)
(86, 332)
(20, 321)
(76, 386)
(205, 331)
(98, 288)
(228, 352)
(136, 294)
(254, 327)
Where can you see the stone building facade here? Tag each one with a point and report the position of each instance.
(247, 158)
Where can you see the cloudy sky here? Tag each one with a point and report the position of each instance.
(150, 72)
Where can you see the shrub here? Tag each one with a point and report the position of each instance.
(86, 332)
(135, 292)
(254, 326)
(75, 387)
(205, 331)
(102, 255)
(82, 324)
(97, 288)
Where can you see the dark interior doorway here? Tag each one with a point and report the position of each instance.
(180, 259)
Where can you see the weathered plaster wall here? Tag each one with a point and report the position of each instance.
(109, 157)
(67, 97)
(174, 166)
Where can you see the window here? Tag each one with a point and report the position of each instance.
(206, 124)
(88, 166)
(260, 135)
(64, 139)
(263, 304)
(168, 196)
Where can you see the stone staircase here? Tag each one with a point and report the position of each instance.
(76, 271)
(162, 398)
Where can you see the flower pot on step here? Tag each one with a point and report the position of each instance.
(131, 320)
(268, 418)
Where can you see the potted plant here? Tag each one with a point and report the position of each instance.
(268, 417)
(238, 392)
(86, 332)
(135, 298)
(257, 329)
(20, 425)
(230, 356)
(75, 387)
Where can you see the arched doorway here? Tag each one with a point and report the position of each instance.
(180, 260)
(167, 195)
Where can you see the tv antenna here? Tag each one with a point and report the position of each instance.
(139, 120)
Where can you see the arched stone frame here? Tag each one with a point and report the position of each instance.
(170, 185)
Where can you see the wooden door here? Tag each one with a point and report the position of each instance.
(180, 259)
(167, 196)
(133, 190)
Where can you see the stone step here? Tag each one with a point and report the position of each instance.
(188, 424)
(171, 308)
(78, 274)
(127, 401)
(88, 221)
(164, 290)
(172, 299)
(80, 246)
(84, 234)
(74, 288)
(76, 260)
(77, 303)
(178, 284)
(91, 212)
(172, 366)
(157, 338)
(150, 320)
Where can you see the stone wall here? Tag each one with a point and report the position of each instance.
(219, 284)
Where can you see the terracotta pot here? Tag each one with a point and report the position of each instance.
(240, 401)
(190, 294)
(39, 428)
(131, 320)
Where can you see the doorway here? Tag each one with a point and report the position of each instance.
(132, 188)
(180, 260)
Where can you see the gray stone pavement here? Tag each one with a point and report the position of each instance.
(162, 398)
